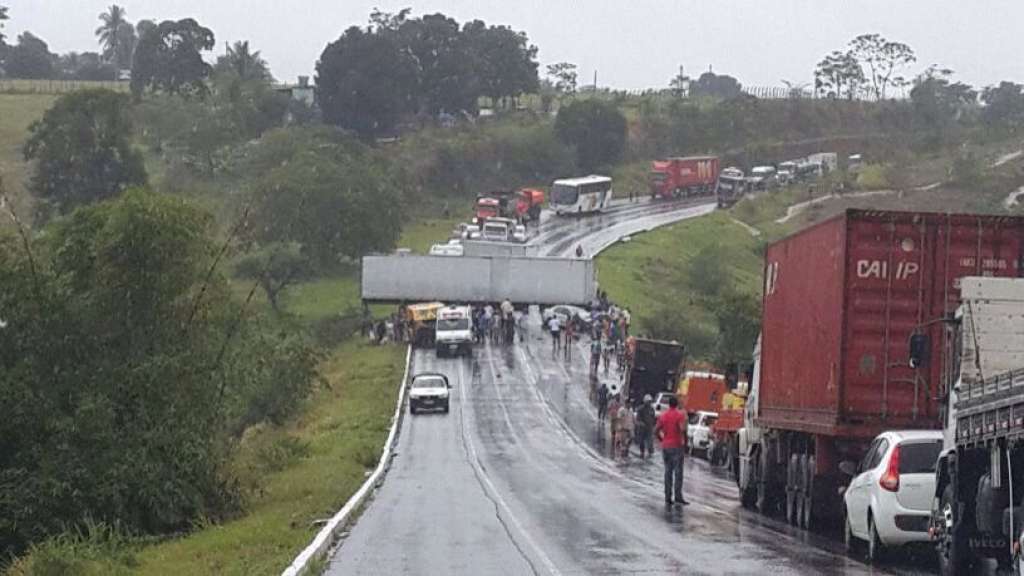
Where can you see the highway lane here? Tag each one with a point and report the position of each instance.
(515, 481)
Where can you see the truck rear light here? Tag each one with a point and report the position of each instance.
(891, 479)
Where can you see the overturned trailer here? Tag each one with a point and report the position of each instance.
(472, 279)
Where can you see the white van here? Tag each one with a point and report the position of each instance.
(454, 332)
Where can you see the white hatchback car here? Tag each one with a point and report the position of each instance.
(888, 502)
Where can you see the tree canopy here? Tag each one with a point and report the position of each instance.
(596, 129)
(30, 58)
(719, 86)
(371, 78)
(245, 64)
(169, 58)
(116, 36)
(82, 150)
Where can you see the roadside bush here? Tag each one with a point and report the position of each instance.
(707, 271)
(128, 368)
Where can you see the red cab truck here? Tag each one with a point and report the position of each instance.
(841, 302)
(684, 177)
(522, 205)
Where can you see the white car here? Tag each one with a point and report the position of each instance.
(429, 391)
(888, 502)
(447, 250)
(698, 430)
(565, 312)
(661, 403)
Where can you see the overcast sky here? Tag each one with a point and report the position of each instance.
(631, 44)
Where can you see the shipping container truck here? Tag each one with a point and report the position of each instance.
(473, 279)
(979, 480)
(732, 186)
(655, 367)
(684, 177)
(841, 300)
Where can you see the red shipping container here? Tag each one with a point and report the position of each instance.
(841, 300)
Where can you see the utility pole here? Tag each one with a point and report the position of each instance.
(595, 81)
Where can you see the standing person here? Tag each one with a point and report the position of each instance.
(613, 421)
(602, 402)
(555, 327)
(626, 428)
(507, 311)
(671, 430)
(570, 334)
(606, 353)
(579, 251)
(595, 355)
(645, 420)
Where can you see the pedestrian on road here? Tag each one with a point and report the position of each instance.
(671, 430)
(570, 334)
(507, 312)
(602, 402)
(645, 420)
(555, 327)
(595, 355)
(579, 251)
(613, 420)
(606, 353)
(626, 430)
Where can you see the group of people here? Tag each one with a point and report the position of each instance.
(498, 323)
(641, 426)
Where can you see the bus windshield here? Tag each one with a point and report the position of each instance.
(564, 194)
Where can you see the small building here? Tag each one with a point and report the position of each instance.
(303, 91)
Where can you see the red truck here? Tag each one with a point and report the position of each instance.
(841, 302)
(684, 177)
(524, 204)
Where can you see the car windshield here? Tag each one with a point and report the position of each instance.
(564, 194)
(453, 324)
(919, 457)
(428, 382)
(710, 420)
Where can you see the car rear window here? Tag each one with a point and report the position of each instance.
(428, 382)
(919, 457)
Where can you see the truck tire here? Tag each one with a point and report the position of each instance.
(953, 555)
(764, 499)
(791, 491)
(808, 508)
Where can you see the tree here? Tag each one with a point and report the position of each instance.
(30, 58)
(329, 194)
(365, 82)
(116, 36)
(596, 129)
(883, 58)
(169, 58)
(274, 267)
(505, 62)
(82, 149)
(719, 86)
(444, 67)
(245, 64)
(680, 85)
(838, 75)
(739, 322)
(564, 76)
(1004, 105)
(3, 18)
(124, 327)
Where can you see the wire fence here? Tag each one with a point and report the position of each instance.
(22, 86)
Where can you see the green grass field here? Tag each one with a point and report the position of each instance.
(17, 112)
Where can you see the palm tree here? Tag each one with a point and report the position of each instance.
(247, 65)
(109, 32)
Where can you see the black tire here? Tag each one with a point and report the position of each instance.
(876, 550)
(447, 405)
(807, 520)
(848, 538)
(953, 556)
(764, 503)
(412, 408)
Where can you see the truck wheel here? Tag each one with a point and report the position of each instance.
(791, 491)
(808, 484)
(952, 555)
(764, 504)
(848, 538)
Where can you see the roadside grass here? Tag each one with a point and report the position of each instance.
(419, 236)
(653, 270)
(17, 112)
(292, 476)
(631, 176)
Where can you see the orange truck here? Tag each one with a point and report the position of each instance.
(709, 392)
(522, 205)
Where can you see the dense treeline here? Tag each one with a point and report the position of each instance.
(127, 369)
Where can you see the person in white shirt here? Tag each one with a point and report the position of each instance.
(555, 327)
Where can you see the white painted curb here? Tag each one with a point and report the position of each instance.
(329, 534)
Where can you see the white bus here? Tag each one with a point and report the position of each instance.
(580, 195)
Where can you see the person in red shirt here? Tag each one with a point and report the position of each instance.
(671, 430)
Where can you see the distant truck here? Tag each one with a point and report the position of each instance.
(841, 301)
(520, 205)
(732, 185)
(978, 510)
(454, 332)
(684, 177)
(655, 367)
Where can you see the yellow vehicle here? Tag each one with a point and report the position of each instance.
(421, 322)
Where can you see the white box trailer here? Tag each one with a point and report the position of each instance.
(468, 279)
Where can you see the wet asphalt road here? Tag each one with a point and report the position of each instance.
(516, 479)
